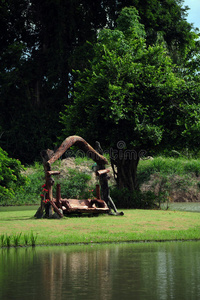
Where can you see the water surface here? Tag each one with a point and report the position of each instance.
(122, 271)
(183, 206)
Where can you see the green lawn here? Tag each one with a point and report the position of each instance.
(135, 225)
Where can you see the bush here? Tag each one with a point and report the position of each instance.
(125, 199)
(74, 184)
(30, 193)
(11, 178)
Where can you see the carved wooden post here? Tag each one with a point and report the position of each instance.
(105, 193)
(58, 196)
(103, 179)
(49, 184)
(98, 191)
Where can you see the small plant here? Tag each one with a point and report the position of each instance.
(161, 187)
(26, 239)
(8, 240)
(16, 239)
(33, 239)
(2, 239)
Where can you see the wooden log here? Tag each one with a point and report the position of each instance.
(58, 196)
(49, 173)
(98, 203)
(83, 145)
(50, 192)
(56, 209)
(105, 193)
(84, 206)
(98, 191)
(104, 171)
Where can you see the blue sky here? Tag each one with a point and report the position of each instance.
(194, 12)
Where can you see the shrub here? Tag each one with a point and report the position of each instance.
(11, 178)
(193, 166)
(136, 199)
(74, 184)
(30, 193)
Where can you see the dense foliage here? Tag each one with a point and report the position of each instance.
(132, 76)
(131, 92)
(42, 41)
(160, 180)
(74, 184)
(11, 178)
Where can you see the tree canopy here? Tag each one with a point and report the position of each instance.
(43, 41)
(131, 92)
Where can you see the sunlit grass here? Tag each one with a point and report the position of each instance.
(135, 225)
(168, 166)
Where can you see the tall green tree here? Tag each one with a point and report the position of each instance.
(131, 99)
(168, 19)
(41, 42)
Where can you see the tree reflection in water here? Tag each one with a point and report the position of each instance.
(123, 271)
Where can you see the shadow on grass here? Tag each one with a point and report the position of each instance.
(17, 219)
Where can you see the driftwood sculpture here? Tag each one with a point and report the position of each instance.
(51, 207)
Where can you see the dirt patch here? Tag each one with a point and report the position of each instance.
(175, 188)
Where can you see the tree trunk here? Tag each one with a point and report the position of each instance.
(125, 169)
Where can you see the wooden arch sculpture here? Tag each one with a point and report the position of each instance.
(101, 204)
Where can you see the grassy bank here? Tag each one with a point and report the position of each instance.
(135, 225)
(171, 179)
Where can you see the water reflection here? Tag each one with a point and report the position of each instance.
(124, 271)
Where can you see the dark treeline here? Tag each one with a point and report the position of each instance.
(43, 41)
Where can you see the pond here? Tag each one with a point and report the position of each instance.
(183, 206)
(111, 271)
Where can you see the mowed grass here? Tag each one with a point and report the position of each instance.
(135, 225)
